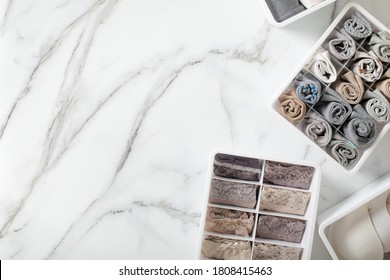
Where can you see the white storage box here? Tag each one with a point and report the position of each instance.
(336, 223)
(271, 19)
(341, 149)
(241, 191)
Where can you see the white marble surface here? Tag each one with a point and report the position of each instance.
(109, 110)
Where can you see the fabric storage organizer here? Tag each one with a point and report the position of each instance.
(311, 7)
(249, 199)
(345, 145)
(359, 226)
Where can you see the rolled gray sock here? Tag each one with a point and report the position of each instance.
(357, 26)
(317, 129)
(342, 47)
(360, 128)
(380, 45)
(333, 108)
(343, 151)
(368, 66)
(376, 106)
(284, 9)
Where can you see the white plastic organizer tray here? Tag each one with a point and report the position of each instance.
(275, 248)
(346, 214)
(350, 156)
(271, 19)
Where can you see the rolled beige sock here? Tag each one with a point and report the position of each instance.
(350, 88)
(384, 85)
(291, 107)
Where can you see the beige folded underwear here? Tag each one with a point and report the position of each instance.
(264, 251)
(229, 221)
(284, 201)
(226, 249)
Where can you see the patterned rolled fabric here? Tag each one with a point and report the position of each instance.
(291, 107)
(284, 201)
(343, 151)
(360, 128)
(384, 85)
(358, 27)
(350, 88)
(308, 88)
(264, 251)
(229, 221)
(380, 45)
(284, 9)
(237, 167)
(310, 3)
(317, 129)
(280, 228)
(322, 67)
(226, 249)
(376, 106)
(231, 193)
(288, 175)
(342, 47)
(333, 108)
(368, 66)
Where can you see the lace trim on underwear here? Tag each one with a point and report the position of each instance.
(288, 175)
(275, 252)
(226, 249)
(237, 167)
(232, 191)
(280, 228)
(229, 221)
(285, 201)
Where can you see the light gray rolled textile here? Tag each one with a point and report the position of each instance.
(376, 106)
(343, 151)
(342, 46)
(368, 66)
(358, 26)
(360, 128)
(310, 3)
(307, 88)
(333, 108)
(322, 67)
(317, 129)
(284, 9)
(380, 45)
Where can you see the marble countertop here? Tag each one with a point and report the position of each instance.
(109, 111)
